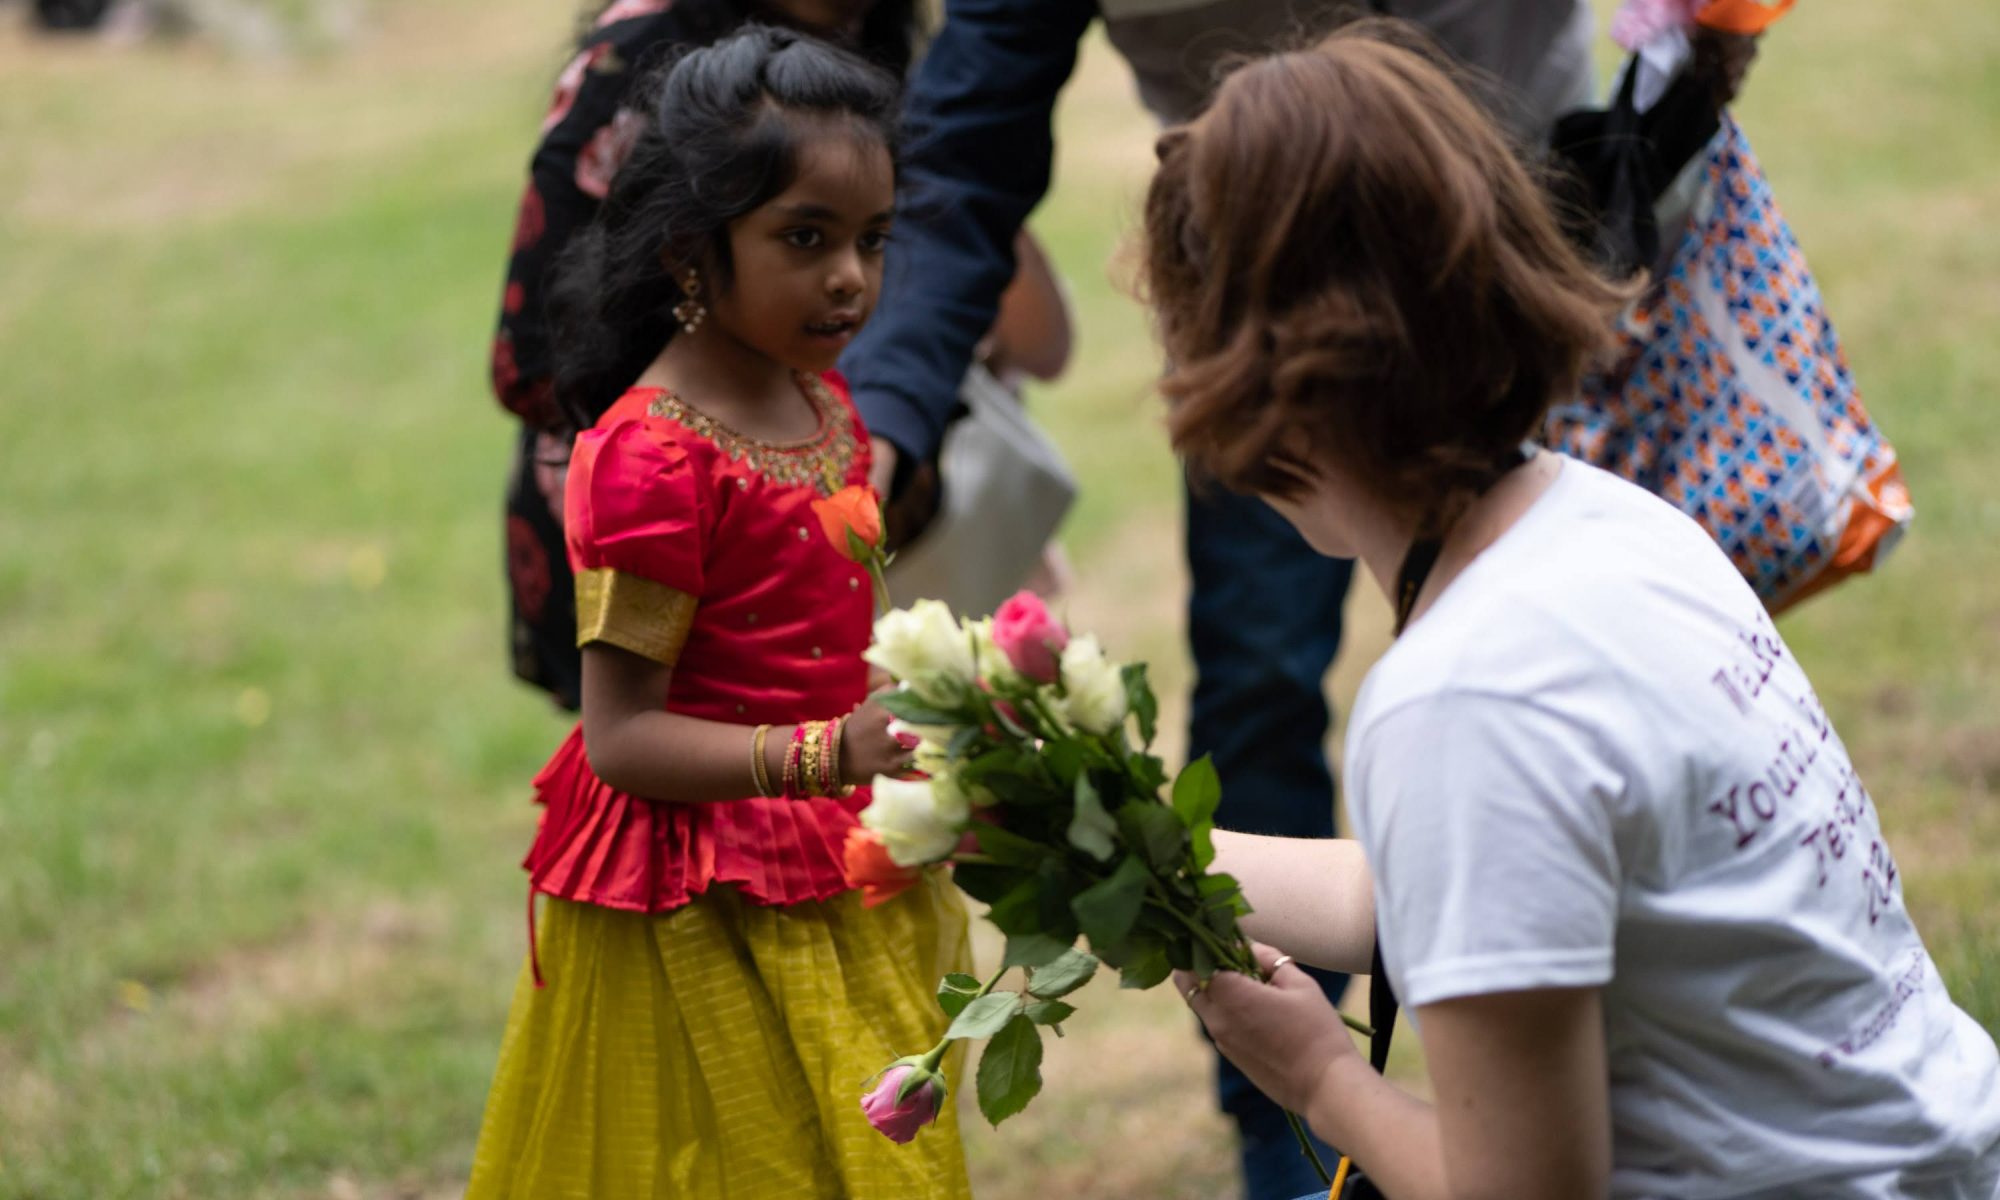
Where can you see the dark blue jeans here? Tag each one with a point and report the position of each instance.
(1263, 623)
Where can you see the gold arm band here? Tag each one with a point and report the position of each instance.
(760, 771)
(647, 618)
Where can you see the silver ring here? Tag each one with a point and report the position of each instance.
(1280, 964)
(1193, 992)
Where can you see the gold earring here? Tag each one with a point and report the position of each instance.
(690, 310)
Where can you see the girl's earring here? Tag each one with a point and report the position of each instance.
(691, 310)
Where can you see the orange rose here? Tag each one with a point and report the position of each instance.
(852, 518)
(868, 866)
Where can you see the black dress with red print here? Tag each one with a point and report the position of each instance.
(584, 138)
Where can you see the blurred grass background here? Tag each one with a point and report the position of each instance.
(263, 773)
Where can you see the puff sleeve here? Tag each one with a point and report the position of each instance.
(637, 525)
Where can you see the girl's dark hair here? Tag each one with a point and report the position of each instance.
(1348, 261)
(888, 37)
(724, 128)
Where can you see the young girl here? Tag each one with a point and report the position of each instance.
(707, 998)
(585, 136)
(1609, 846)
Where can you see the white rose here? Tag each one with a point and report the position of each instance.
(923, 647)
(954, 803)
(1094, 686)
(915, 827)
(993, 665)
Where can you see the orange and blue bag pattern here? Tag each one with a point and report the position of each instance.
(1730, 397)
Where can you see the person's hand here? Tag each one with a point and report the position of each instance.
(868, 749)
(1284, 1034)
(1722, 61)
(905, 514)
(882, 468)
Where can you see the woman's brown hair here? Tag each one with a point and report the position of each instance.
(1347, 260)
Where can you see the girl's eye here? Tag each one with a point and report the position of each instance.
(804, 239)
(874, 241)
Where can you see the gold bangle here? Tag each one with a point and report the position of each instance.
(809, 756)
(760, 773)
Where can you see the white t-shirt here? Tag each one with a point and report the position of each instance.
(1593, 762)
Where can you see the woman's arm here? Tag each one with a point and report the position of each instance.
(1521, 1105)
(636, 746)
(1313, 898)
(1520, 1110)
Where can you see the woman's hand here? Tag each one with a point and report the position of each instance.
(1284, 1034)
(867, 748)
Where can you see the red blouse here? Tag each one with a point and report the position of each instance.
(698, 547)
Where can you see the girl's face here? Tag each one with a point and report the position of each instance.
(808, 263)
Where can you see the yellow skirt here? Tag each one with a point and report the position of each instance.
(719, 1051)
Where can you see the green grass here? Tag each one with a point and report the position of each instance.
(263, 775)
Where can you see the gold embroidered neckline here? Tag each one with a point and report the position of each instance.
(821, 460)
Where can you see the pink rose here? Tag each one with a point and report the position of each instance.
(1030, 638)
(899, 1120)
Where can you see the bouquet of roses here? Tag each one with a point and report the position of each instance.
(1033, 786)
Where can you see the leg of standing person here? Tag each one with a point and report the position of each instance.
(1263, 624)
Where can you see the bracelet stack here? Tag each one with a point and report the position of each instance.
(812, 761)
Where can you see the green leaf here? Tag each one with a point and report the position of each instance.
(984, 1016)
(1220, 893)
(1204, 959)
(1032, 950)
(1149, 774)
(1063, 975)
(1091, 828)
(857, 549)
(1020, 910)
(1196, 792)
(1147, 970)
(962, 742)
(1139, 699)
(1065, 759)
(1010, 1072)
(1048, 1012)
(955, 991)
(986, 882)
(1106, 909)
(1009, 847)
(916, 710)
(1155, 831)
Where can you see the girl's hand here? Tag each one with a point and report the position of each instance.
(1284, 1034)
(868, 749)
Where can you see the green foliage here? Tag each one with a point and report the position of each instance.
(1107, 908)
(1062, 975)
(955, 991)
(1091, 829)
(1196, 793)
(984, 1016)
(1032, 950)
(1139, 699)
(1010, 1072)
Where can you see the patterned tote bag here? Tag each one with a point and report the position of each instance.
(1730, 397)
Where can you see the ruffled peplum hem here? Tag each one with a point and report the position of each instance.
(598, 845)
